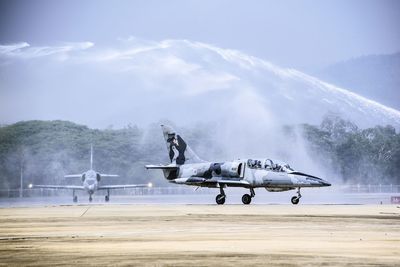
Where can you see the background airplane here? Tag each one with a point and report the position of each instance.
(187, 168)
(90, 182)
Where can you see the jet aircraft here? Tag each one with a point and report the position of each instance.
(188, 169)
(90, 182)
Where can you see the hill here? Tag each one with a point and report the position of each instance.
(374, 76)
(47, 150)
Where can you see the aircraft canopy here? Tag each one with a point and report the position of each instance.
(268, 164)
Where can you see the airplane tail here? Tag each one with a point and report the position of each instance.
(179, 152)
(91, 156)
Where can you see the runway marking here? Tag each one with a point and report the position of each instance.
(85, 211)
(186, 235)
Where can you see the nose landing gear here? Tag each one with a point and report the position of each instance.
(74, 198)
(246, 199)
(107, 197)
(90, 198)
(295, 200)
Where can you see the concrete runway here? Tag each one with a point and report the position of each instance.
(207, 196)
(183, 235)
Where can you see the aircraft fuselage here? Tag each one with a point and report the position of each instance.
(90, 181)
(208, 174)
(187, 168)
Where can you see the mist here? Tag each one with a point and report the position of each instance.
(238, 103)
(120, 85)
(236, 91)
(166, 126)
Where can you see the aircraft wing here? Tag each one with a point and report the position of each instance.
(73, 176)
(123, 186)
(108, 175)
(161, 167)
(73, 187)
(233, 182)
(227, 182)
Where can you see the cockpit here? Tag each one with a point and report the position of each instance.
(90, 181)
(90, 174)
(268, 164)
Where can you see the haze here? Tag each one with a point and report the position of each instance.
(300, 34)
(104, 63)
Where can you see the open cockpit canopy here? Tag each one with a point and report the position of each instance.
(269, 164)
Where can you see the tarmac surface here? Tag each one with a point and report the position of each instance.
(200, 235)
(204, 196)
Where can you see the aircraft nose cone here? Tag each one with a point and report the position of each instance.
(325, 183)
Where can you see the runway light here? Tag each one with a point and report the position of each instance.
(30, 185)
(150, 185)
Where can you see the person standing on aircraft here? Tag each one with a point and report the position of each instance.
(187, 168)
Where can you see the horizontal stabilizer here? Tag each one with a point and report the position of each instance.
(73, 176)
(108, 175)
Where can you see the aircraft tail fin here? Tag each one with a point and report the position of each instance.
(179, 152)
(91, 156)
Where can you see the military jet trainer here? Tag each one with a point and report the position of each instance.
(188, 169)
(90, 182)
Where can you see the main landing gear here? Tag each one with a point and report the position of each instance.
(295, 200)
(107, 197)
(220, 199)
(246, 198)
(74, 198)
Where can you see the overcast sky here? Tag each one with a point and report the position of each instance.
(300, 34)
(106, 63)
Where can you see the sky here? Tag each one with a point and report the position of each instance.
(103, 63)
(306, 35)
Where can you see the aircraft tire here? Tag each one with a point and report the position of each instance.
(246, 199)
(75, 199)
(220, 199)
(295, 200)
(90, 199)
(107, 198)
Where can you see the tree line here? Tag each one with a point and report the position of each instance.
(47, 150)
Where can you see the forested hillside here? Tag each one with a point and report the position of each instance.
(359, 156)
(47, 150)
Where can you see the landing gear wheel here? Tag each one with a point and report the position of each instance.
(90, 199)
(220, 199)
(75, 199)
(295, 200)
(107, 198)
(246, 199)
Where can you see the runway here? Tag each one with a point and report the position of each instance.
(206, 235)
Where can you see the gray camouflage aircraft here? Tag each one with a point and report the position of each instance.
(90, 182)
(187, 168)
